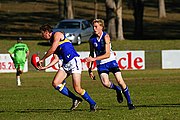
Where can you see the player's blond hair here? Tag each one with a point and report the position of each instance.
(99, 21)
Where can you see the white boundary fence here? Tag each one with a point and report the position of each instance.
(127, 60)
(170, 59)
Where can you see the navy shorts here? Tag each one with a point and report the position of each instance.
(108, 67)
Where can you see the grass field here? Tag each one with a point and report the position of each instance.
(155, 92)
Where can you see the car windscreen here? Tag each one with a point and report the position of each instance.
(69, 25)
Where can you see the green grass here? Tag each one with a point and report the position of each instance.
(155, 94)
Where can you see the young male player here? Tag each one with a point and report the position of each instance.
(19, 53)
(105, 59)
(63, 49)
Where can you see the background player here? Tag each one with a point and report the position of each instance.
(19, 53)
(106, 62)
(63, 49)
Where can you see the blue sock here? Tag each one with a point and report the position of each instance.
(113, 86)
(86, 97)
(65, 91)
(127, 95)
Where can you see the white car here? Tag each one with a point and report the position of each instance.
(76, 30)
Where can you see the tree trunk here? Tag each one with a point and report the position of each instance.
(68, 9)
(120, 35)
(162, 9)
(60, 9)
(111, 15)
(138, 17)
(95, 9)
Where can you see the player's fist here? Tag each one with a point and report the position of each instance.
(34, 60)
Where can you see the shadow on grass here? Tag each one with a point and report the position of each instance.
(160, 105)
(99, 109)
(44, 44)
(47, 110)
(154, 106)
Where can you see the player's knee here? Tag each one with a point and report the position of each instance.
(78, 90)
(106, 84)
(55, 83)
(20, 72)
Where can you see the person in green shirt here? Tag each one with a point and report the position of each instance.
(19, 53)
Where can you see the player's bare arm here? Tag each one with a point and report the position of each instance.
(57, 37)
(53, 62)
(27, 54)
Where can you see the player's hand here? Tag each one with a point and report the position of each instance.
(40, 62)
(91, 75)
(90, 59)
(42, 68)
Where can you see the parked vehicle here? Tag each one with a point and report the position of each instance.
(76, 30)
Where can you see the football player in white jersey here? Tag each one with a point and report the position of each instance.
(106, 62)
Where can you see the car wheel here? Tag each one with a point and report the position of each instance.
(79, 40)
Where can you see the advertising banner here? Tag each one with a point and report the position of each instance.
(170, 59)
(127, 60)
(7, 65)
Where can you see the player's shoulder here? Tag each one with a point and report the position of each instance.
(106, 35)
(58, 33)
(65, 41)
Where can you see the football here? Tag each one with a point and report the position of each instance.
(34, 60)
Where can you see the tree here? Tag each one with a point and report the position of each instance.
(120, 35)
(114, 19)
(138, 17)
(162, 9)
(60, 9)
(68, 12)
(95, 9)
(111, 16)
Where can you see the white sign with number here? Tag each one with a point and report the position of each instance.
(7, 65)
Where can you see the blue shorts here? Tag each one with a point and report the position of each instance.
(108, 67)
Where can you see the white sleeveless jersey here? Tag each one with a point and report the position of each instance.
(99, 46)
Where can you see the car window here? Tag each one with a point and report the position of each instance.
(66, 25)
(85, 24)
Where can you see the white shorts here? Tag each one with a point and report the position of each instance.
(73, 66)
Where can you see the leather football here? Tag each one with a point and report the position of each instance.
(34, 60)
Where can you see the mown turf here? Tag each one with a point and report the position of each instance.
(155, 94)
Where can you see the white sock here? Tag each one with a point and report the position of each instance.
(18, 81)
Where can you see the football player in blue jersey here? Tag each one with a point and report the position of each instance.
(106, 62)
(70, 64)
